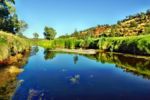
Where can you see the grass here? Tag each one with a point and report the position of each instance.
(133, 44)
(138, 45)
(70, 43)
(11, 45)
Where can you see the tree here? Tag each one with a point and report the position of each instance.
(147, 29)
(148, 12)
(49, 33)
(36, 35)
(9, 21)
(16, 25)
(75, 33)
(133, 24)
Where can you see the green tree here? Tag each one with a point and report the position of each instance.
(148, 12)
(133, 24)
(36, 35)
(49, 33)
(147, 29)
(9, 21)
(16, 25)
(75, 33)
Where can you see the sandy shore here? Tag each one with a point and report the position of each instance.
(93, 51)
(79, 51)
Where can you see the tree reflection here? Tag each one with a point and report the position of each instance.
(48, 55)
(34, 51)
(137, 66)
(8, 76)
(75, 58)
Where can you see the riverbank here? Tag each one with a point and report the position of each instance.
(136, 45)
(96, 52)
(78, 51)
(11, 45)
(9, 72)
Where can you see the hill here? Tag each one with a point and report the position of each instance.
(133, 25)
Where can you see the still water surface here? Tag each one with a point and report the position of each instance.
(62, 76)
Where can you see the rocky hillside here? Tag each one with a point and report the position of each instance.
(133, 25)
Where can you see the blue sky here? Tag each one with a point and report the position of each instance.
(67, 15)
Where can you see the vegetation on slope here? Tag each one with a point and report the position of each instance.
(132, 25)
(11, 45)
(132, 44)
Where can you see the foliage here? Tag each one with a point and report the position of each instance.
(11, 45)
(70, 43)
(132, 25)
(36, 35)
(133, 44)
(9, 21)
(49, 33)
(147, 29)
(75, 34)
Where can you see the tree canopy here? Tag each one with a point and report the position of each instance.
(36, 35)
(49, 33)
(9, 20)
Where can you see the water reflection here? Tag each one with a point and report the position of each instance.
(137, 66)
(75, 79)
(48, 55)
(34, 50)
(75, 59)
(8, 76)
(34, 94)
(83, 77)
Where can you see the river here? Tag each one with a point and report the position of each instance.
(66, 76)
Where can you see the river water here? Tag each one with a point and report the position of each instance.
(63, 76)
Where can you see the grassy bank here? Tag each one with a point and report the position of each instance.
(139, 45)
(11, 45)
(69, 43)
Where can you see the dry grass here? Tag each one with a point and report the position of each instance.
(11, 44)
